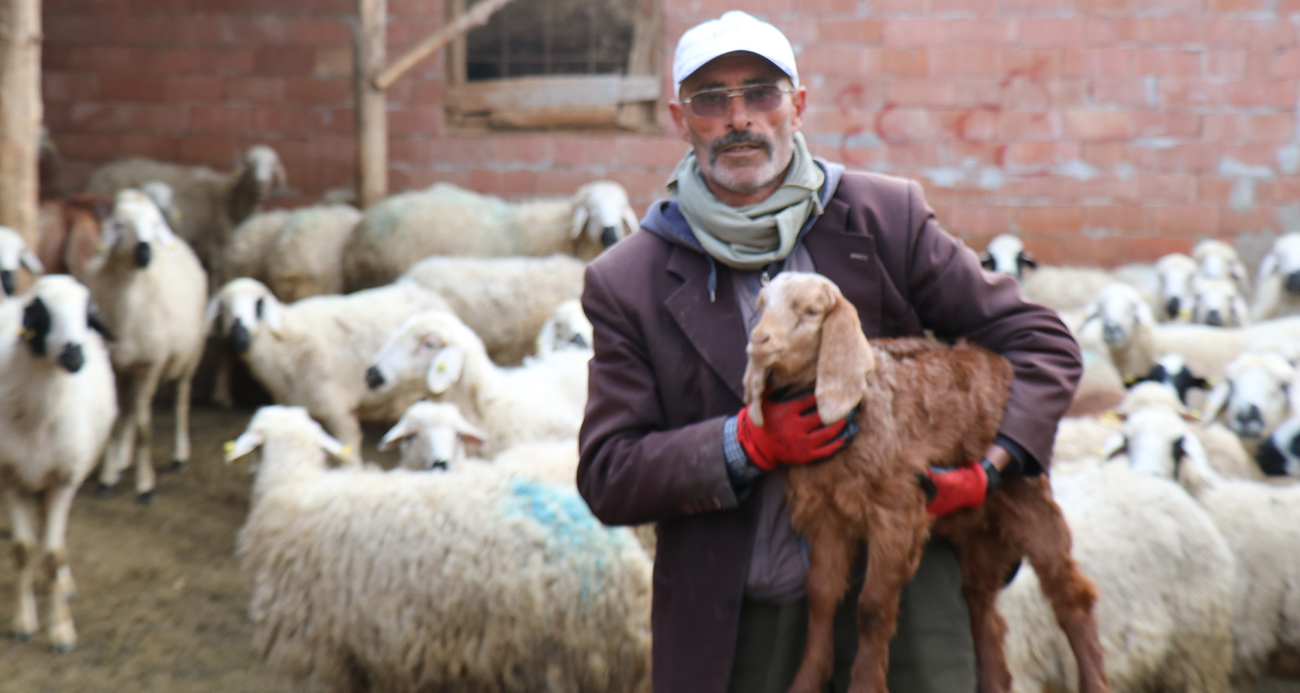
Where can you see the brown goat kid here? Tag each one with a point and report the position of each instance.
(922, 403)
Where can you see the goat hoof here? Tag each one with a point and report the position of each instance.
(178, 465)
(145, 498)
(105, 491)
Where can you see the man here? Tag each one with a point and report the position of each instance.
(663, 440)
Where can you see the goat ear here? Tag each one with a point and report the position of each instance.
(1217, 400)
(580, 215)
(755, 380)
(843, 362)
(33, 264)
(445, 369)
(244, 444)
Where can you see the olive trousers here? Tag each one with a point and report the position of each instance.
(931, 652)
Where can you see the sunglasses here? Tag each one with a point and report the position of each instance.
(713, 103)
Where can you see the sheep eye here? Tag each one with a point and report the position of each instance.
(258, 308)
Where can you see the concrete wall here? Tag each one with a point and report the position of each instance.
(1101, 130)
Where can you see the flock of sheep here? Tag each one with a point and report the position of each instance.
(475, 563)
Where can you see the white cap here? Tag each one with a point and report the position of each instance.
(733, 31)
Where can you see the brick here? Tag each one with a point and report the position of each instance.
(1164, 124)
(317, 32)
(830, 59)
(964, 61)
(1049, 219)
(1152, 249)
(852, 30)
(916, 32)
(330, 92)
(898, 62)
(126, 86)
(966, 8)
(1166, 63)
(983, 219)
(295, 121)
(332, 62)
(1050, 32)
(57, 87)
(1236, 5)
(225, 61)
(284, 60)
(1180, 158)
(912, 156)
(1184, 94)
(1261, 218)
(220, 119)
(1104, 63)
(975, 125)
(1041, 154)
(1286, 63)
(1125, 218)
(922, 92)
(1227, 63)
(1249, 128)
(1186, 220)
(1278, 94)
(1099, 125)
(1164, 188)
(1029, 126)
(981, 30)
(193, 89)
(904, 125)
(254, 90)
(1126, 93)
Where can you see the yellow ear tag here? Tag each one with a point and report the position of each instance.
(229, 446)
(100, 247)
(441, 367)
(1111, 418)
(1185, 314)
(21, 332)
(346, 450)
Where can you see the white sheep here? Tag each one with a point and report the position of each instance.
(14, 254)
(210, 204)
(544, 399)
(58, 402)
(1218, 302)
(567, 328)
(1171, 371)
(314, 353)
(1059, 288)
(152, 290)
(245, 254)
(1006, 254)
(1173, 298)
(404, 581)
(1218, 260)
(504, 300)
(306, 257)
(1279, 455)
(1277, 288)
(1261, 524)
(447, 220)
(1162, 573)
(1255, 395)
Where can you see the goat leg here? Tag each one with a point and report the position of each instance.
(830, 552)
(982, 572)
(894, 547)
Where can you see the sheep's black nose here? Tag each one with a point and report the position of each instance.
(1113, 334)
(438, 465)
(71, 358)
(1270, 459)
(1250, 420)
(1293, 282)
(608, 236)
(143, 254)
(374, 379)
(239, 337)
(1214, 318)
(579, 341)
(1171, 307)
(7, 281)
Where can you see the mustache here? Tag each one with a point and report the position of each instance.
(738, 137)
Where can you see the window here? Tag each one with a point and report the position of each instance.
(541, 64)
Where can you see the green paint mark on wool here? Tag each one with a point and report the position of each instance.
(382, 219)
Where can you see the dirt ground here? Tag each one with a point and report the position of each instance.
(160, 606)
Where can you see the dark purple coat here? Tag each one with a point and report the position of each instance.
(667, 372)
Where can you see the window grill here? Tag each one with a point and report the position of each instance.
(552, 37)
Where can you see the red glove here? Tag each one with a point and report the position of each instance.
(950, 490)
(792, 433)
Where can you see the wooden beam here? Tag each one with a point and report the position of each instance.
(475, 16)
(372, 116)
(21, 115)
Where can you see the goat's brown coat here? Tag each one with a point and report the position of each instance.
(922, 403)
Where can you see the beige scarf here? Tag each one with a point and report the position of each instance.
(754, 236)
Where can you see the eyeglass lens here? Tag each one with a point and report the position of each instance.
(759, 99)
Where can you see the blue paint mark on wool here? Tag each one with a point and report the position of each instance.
(569, 523)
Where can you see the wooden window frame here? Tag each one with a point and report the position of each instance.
(631, 102)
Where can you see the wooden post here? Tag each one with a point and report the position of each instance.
(20, 114)
(372, 119)
(474, 16)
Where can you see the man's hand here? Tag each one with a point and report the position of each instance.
(958, 488)
(792, 433)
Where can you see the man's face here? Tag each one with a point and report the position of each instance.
(742, 152)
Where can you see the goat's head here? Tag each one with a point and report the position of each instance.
(432, 435)
(602, 215)
(14, 254)
(1174, 274)
(1280, 454)
(1284, 260)
(57, 314)
(241, 310)
(429, 345)
(1006, 254)
(567, 328)
(134, 229)
(1255, 395)
(807, 334)
(289, 425)
(1121, 311)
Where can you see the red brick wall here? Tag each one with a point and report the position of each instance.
(1100, 130)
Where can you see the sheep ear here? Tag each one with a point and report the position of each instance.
(1217, 400)
(1026, 260)
(211, 314)
(271, 314)
(1114, 447)
(843, 362)
(1240, 311)
(279, 177)
(396, 434)
(33, 264)
(633, 224)
(580, 215)
(1142, 312)
(1268, 266)
(468, 432)
(987, 262)
(445, 369)
(244, 444)
(1199, 461)
(755, 381)
(331, 445)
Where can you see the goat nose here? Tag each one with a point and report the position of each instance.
(240, 340)
(143, 254)
(374, 379)
(1270, 459)
(1171, 307)
(608, 236)
(1214, 318)
(1293, 282)
(71, 358)
(7, 281)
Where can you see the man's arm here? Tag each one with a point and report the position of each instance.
(633, 469)
(954, 297)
